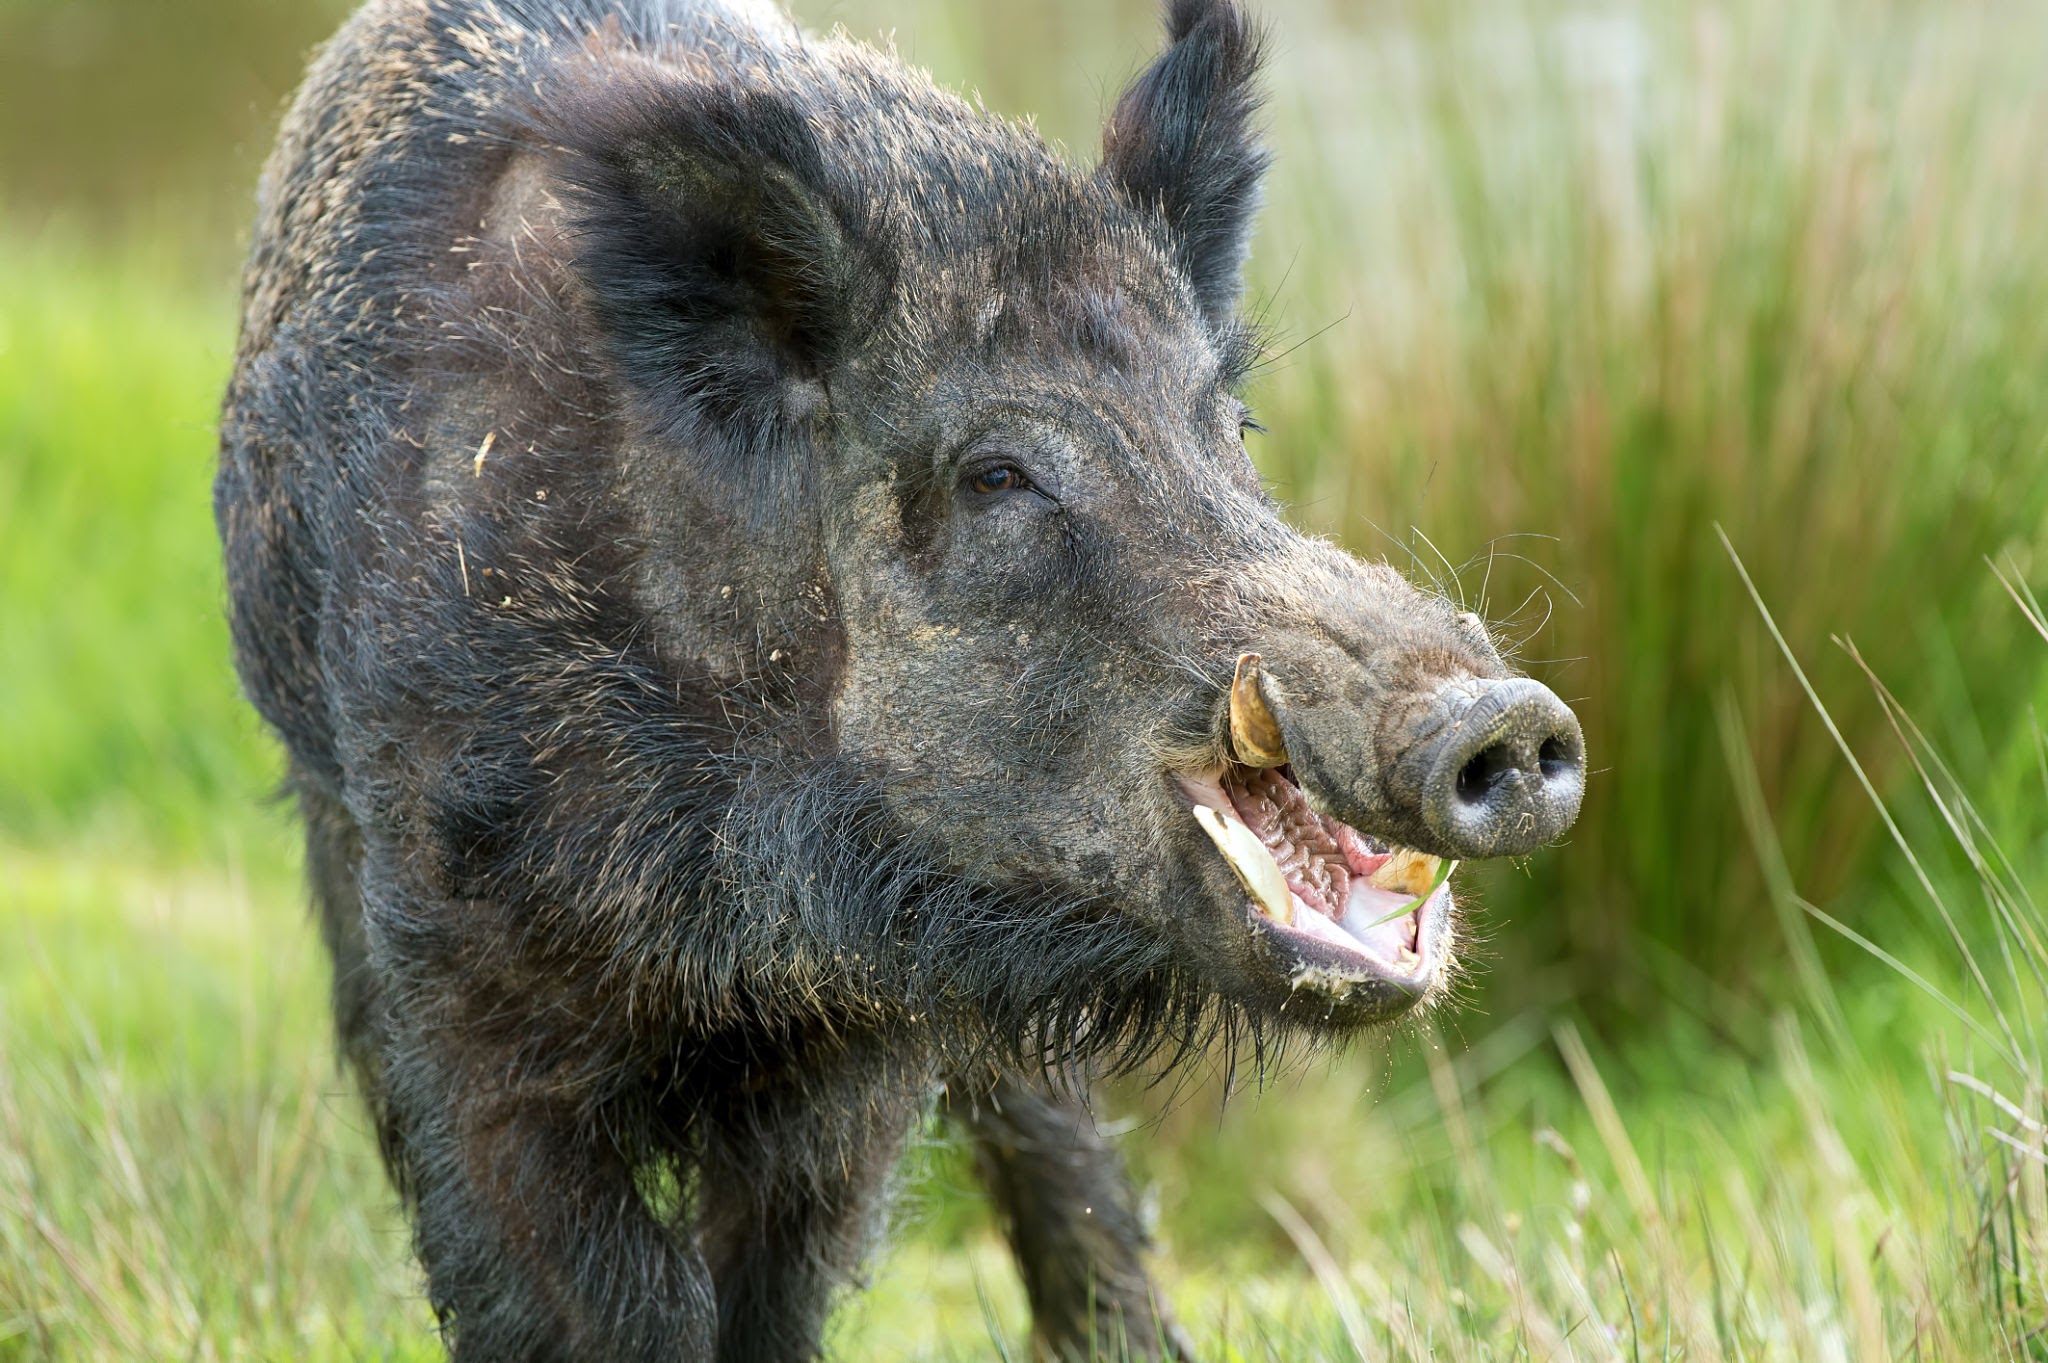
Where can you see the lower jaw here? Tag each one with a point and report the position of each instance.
(1326, 952)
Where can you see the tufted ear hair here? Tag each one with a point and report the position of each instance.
(1182, 141)
(728, 262)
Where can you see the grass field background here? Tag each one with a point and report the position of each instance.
(1561, 294)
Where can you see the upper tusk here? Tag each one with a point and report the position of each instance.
(1254, 733)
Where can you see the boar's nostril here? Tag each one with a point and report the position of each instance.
(1477, 778)
(1508, 768)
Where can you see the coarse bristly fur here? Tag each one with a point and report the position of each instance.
(737, 542)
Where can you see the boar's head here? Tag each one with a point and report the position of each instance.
(985, 409)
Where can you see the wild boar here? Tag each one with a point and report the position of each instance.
(754, 564)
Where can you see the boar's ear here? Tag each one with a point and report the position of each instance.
(1181, 140)
(727, 261)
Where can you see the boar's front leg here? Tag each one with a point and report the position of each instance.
(537, 1244)
(1070, 1217)
(792, 1177)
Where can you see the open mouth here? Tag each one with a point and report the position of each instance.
(1337, 898)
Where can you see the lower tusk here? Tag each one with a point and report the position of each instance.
(1251, 860)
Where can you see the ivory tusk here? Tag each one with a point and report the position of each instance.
(1254, 733)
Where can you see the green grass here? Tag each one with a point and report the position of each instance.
(120, 721)
(1567, 291)
(183, 1173)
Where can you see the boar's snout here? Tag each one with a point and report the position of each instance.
(1495, 766)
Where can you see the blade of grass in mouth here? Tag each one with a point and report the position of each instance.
(1443, 873)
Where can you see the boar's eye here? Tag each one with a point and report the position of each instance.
(990, 479)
